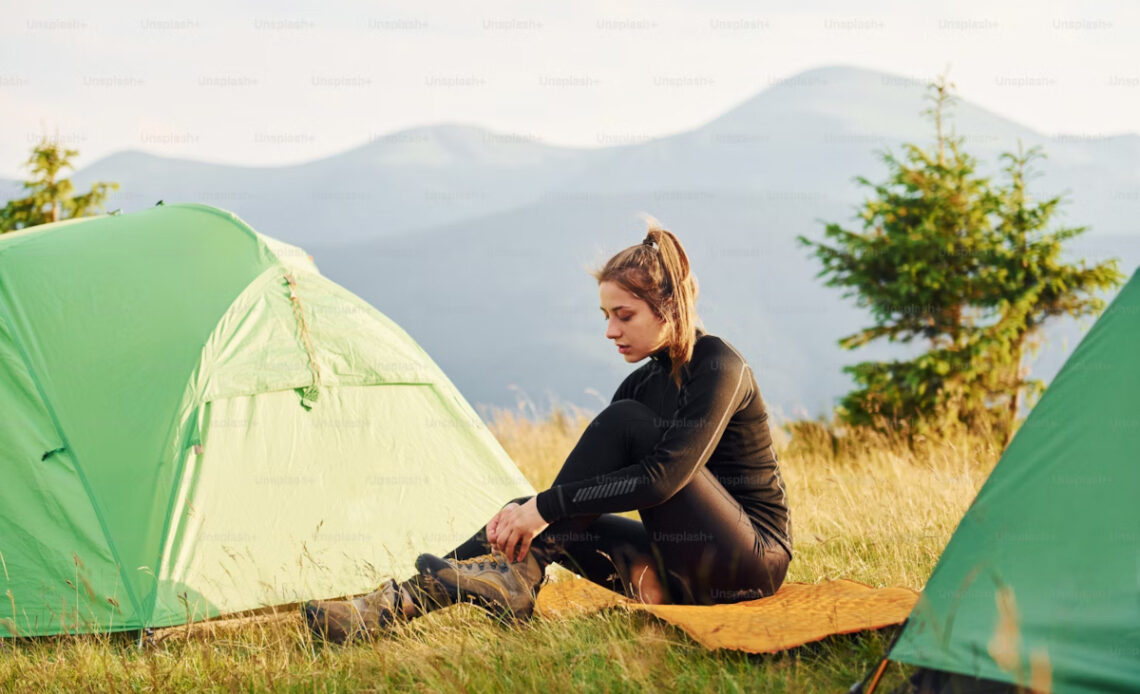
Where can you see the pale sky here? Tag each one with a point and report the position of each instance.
(285, 82)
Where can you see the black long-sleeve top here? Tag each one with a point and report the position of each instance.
(716, 418)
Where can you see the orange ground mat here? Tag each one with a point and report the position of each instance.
(797, 614)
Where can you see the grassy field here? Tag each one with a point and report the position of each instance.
(864, 507)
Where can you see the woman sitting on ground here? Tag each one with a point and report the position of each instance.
(685, 442)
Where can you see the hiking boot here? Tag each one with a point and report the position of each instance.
(340, 621)
(504, 588)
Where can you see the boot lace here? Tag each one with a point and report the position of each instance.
(486, 561)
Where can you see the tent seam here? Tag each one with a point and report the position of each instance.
(152, 597)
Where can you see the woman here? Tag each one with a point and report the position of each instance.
(685, 442)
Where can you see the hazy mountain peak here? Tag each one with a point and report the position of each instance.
(860, 104)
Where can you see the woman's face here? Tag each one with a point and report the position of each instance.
(630, 323)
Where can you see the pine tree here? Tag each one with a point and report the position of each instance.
(947, 256)
(49, 197)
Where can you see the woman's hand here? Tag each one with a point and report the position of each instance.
(493, 525)
(512, 529)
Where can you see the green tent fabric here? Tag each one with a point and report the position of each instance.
(196, 422)
(1043, 571)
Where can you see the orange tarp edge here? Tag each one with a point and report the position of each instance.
(797, 614)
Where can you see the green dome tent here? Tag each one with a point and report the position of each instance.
(196, 422)
(1040, 582)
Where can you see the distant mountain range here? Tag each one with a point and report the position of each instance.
(477, 242)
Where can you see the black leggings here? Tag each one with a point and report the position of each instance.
(700, 541)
